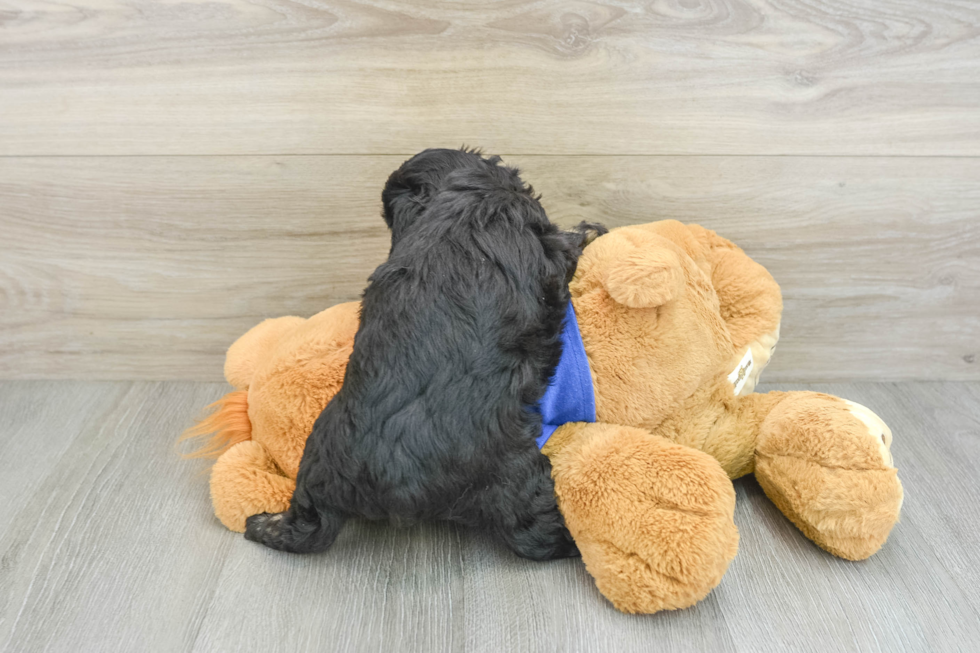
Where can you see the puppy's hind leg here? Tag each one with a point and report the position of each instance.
(301, 529)
(526, 517)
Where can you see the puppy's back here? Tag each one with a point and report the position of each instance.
(459, 336)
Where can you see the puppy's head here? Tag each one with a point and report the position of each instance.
(411, 187)
(476, 191)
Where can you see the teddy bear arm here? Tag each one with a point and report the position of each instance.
(653, 519)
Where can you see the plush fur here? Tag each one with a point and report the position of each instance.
(458, 337)
(667, 312)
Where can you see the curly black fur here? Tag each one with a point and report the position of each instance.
(459, 335)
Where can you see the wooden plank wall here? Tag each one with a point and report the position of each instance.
(173, 172)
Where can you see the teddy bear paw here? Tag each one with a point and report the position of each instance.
(245, 482)
(878, 431)
(652, 519)
(827, 465)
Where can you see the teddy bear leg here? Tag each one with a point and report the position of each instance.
(826, 464)
(244, 482)
(652, 519)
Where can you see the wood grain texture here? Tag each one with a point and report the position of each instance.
(518, 77)
(36, 435)
(115, 549)
(149, 267)
(108, 551)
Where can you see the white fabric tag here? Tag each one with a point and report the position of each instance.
(740, 374)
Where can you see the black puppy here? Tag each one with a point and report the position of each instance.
(458, 337)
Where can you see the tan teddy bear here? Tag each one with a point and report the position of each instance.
(677, 324)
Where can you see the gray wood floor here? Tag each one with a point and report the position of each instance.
(109, 544)
(174, 171)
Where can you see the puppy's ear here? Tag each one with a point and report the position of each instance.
(410, 188)
(590, 231)
(403, 198)
(567, 246)
(642, 277)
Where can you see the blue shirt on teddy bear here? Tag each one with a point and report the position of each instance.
(570, 396)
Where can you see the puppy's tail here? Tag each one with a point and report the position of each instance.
(227, 424)
(295, 530)
(590, 231)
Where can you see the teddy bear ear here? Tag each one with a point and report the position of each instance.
(644, 278)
